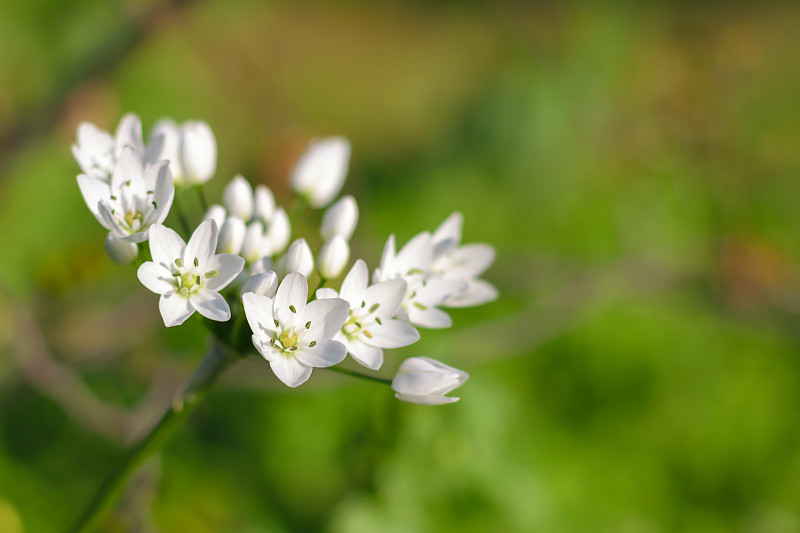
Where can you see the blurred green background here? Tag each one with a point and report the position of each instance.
(635, 165)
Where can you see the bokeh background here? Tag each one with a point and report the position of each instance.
(636, 165)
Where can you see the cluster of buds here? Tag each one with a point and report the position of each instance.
(241, 256)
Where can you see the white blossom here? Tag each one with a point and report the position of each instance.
(238, 198)
(97, 151)
(370, 325)
(295, 336)
(136, 198)
(463, 263)
(425, 381)
(120, 251)
(263, 283)
(320, 172)
(333, 257)
(189, 276)
(279, 231)
(190, 148)
(340, 219)
(424, 291)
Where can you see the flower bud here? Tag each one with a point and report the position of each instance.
(340, 219)
(120, 251)
(216, 213)
(279, 231)
(426, 381)
(264, 204)
(321, 170)
(297, 259)
(165, 140)
(265, 284)
(255, 244)
(333, 257)
(238, 198)
(231, 236)
(198, 152)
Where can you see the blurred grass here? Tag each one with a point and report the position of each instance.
(635, 166)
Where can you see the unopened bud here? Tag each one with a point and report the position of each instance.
(333, 257)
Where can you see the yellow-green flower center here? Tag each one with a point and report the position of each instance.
(288, 339)
(133, 216)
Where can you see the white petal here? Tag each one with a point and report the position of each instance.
(210, 304)
(292, 293)
(448, 234)
(217, 213)
(202, 244)
(477, 292)
(325, 353)
(369, 356)
(120, 251)
(333, 257)
(165, 246)
(355, 283)
(340, 219)
(129, 134)
(108, 221)
(129, 169)
(164, 192)
(290, 370)
(93, 191)
(424, 399)
(327, 317)
(156, 278)
(437, 290)
(263, 283)
(253, 242)
(228, 267)
(279, 231)
(417, 254)
(299, 258)
(468, 261)
(429, 318)
(392, 334)
(163, 146)
(325, 293)
(389, 294)
(258, 310)
(321, 170)
(231, 235)
(175, 309)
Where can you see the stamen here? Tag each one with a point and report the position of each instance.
(312, 344)
(196, 262)
(378, 320)
(358, 324)
(113, 198)
(212, 274)
(363, 303)
(308, 324)
(293, 349)
(179, 263)
(149, 192)
(155, 206)
(277, 324)
(420, 306)
(176, 274)
(374, 307)
(292, 309)
(272, 342)
(367, 334)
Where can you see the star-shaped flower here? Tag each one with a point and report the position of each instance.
(137, 197)
(370, 325)
(189, 276)
(295, 336)
(425, 381)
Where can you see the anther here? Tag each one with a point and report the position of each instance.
(308, 324)
(212, 274)
(292, 309)
(367, 334)
(113, 198)
(378, 320)
(196, 262)
(363, 303)
(312, 344)
(179, 263)
(420, 306)
(374, 307)
(277, 324)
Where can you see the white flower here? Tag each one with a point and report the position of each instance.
(340, 219)
(333, 257)
(370, 326)
(255, 244)
(190, 149)
(231, 235)
(120, 251)
(136, 198)
(264, 202)
(426, 381)
(216, 213)
(424, 292)
(97, 151)
(464, 263)
(189, 276)
(292, 335)
(298, 259)
(321, 170)
(238, 198)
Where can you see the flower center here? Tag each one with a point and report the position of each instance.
(134, 217)
(288, 339)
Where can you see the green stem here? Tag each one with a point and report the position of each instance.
(203, 203)
(216, 361)
(187, 230)
(359, 375)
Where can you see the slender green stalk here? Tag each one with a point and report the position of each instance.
(359, 375)
(187, 229)
(202, 197)
(216, 361)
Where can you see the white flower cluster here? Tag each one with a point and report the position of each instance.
(244, 242)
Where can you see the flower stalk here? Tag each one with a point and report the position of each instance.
(215, 362)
